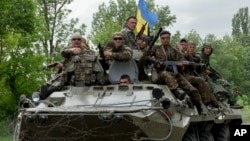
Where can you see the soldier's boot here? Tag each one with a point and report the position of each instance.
(179, 93)
(47, 90)
(189, 101)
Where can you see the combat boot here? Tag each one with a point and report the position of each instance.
(179, 93)
(189, 102)
(46, 90)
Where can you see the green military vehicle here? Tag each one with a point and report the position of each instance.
(135, 112)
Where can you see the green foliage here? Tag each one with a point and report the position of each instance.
(194, 37)
(3, 133)
(56, 32)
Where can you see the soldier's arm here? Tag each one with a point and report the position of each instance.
(123, 55)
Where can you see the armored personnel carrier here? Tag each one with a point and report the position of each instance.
(134, 112)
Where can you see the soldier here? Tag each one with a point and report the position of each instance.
(125, 79)
(164, 52)
(192, 76)
(184, 45)
(80, 67)
(128, 32)
(215, 78)
(130, 38)
(120, 52)
(142, 42)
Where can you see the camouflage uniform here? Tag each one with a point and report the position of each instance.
(123, 53)
(86, 68)
(173, 81)
(130, 41)
(204, 88)
(129, 38)
(218, 82)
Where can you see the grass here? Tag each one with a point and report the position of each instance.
(5, 131)
(246, 114)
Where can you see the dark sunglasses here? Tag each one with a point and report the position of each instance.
(78, 39)
(117, 38)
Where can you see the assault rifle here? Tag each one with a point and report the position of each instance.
(143, 64)
(174, 64)
(50, 66)
(152, 43)
(214, 74)
(141, 30)
(103, 62)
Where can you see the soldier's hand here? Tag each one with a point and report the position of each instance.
(107, 53)
(75, 50)
(152, 58)
(208, 72)
(182, 63)
(59, 65)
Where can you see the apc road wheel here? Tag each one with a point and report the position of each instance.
(189, 137)
(206, 136)
(221, 133)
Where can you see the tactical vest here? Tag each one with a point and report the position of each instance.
(84, 68)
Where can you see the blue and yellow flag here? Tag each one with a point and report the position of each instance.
(145, 17)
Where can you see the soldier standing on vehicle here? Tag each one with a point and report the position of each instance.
(214, 78)
(130, 38)
(164, 52)
(128, 32)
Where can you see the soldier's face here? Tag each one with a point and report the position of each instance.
(141, 43)
(131, 23)
(191, 49)
(118, 41)
(124, 82)
(165, 39)
(207, 50)
(184, 45)
(76, 42)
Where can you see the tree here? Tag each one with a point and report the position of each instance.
(110, 18)
(55, 31)
(241, 33)
(241, 26)
(18, 22)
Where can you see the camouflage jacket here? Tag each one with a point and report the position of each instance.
(85, 67)
(162, 54)
(123, 53)
(129, 38)
(194, 70)
(205, 59)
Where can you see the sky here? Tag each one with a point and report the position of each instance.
(203, 16)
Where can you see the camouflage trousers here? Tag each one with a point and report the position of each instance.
(179, 81)
(204, 89)
(232, 97)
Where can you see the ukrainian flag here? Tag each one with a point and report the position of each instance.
(145, 17)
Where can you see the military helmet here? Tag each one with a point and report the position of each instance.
(208, 45)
